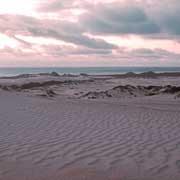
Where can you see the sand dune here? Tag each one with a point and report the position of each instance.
(129, 140)
(114, 86)
(134, 91)
(63, 137)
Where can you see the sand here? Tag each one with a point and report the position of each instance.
(68, 137)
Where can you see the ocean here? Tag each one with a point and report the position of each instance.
(85, 70)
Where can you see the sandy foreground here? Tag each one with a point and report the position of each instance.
(89, 128)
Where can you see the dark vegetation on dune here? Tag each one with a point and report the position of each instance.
(149, 74)
(55, 74)
(134, 91)
(116, 92)
(44, 85)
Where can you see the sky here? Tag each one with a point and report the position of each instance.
(39, 33)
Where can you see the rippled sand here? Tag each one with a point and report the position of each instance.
(48, 132)
(83, 139)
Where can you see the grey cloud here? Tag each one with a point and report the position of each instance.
(54, 50)
(92, 51)
(156, 19)
(117, 19)
(166, 15)
(75, 39)
(123, 14)
(150, 19)
(101, 26)
(62, 30)
(171, 23)
(155, 54)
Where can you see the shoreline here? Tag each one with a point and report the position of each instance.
(145, 74)
(130, 73)
(15, 71)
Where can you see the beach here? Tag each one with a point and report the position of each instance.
(90, 127)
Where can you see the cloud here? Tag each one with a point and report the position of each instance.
(143, 18)
(19, 52)
(64, 50)
(85, 29)
(65, 54)
(170, 23)
(54, 5)
(154, 54)
(117, 19)
(68, 32)
(151, 54)
(153, 18)
(71, 38)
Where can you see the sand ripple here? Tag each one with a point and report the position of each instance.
(124, 139)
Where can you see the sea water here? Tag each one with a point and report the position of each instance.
(84, 70)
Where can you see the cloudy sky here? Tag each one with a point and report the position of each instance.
(89, 33)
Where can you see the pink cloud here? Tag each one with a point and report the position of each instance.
(86, 30)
